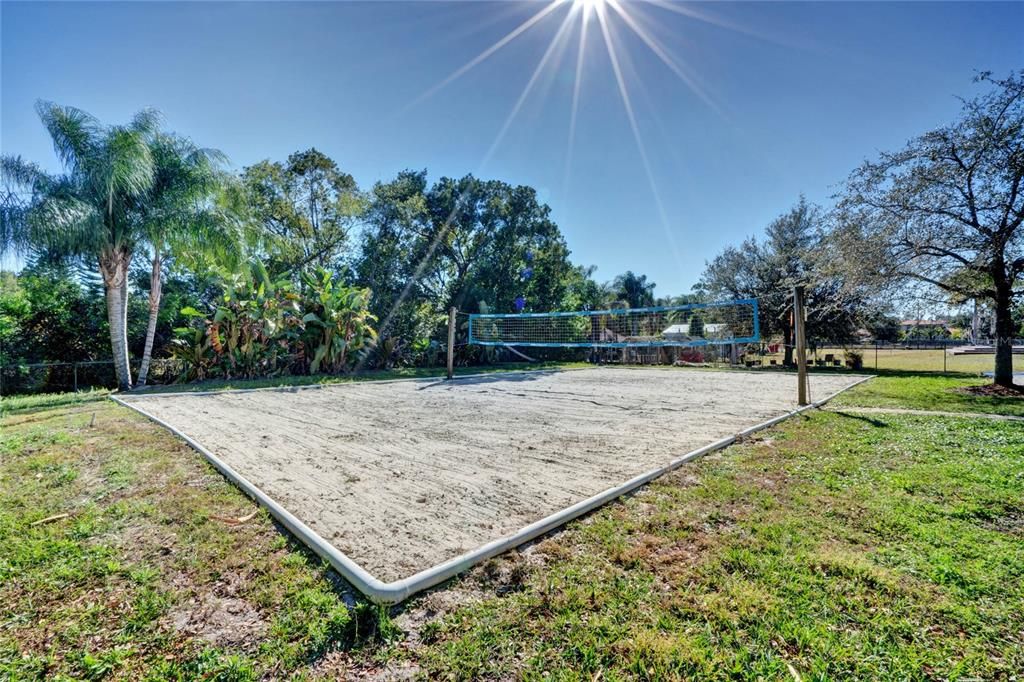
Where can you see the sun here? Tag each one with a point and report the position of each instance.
(589, 6)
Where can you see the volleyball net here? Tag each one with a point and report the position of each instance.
(695, 324)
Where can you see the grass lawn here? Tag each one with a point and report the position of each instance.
(928, 392)
(833, 546)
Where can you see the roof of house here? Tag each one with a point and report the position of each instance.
(684, 329)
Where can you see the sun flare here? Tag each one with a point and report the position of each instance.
(612, 27)
(589, 6)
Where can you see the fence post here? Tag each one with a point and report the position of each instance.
(74, 368)
(943, 356)
(451, 341)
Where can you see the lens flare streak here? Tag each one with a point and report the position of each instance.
(583, 9)
(635, 128)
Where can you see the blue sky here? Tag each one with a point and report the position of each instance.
(801, 93)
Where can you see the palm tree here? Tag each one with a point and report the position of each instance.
(633, 289)
(182, 215)
(86, 210)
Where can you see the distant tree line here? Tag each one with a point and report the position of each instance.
(145, 245)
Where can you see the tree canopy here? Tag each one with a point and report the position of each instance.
(947, 209)
(304, 210)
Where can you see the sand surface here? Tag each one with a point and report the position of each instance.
(403, 475)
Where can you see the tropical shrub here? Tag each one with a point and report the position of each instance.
(337, 321)
(262, 327)
(191, 348)
(252, 326)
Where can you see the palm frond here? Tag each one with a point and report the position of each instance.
(16, 172)
(22, 183)
(147, 121)
(213, 157)
(64, 223)
(72, 131)
(127, 164)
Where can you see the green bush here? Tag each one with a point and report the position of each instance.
(262, 328)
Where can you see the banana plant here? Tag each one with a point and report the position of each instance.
(338, 321)
(191, 347)
(251, 324)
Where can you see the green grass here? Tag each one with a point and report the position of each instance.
(27, 403)
(836, 546)
(143, 578)
(844, 548)
(927, 392)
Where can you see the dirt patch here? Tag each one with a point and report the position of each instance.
(993, 391)
(216, 612)
(340, 665)
(403, 475)
(221, 621)
(1011, 521)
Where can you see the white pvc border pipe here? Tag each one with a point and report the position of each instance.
(399, 590)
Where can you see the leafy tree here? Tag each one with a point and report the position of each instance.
(791, 254)
(947, 210)
(305, 208)
(384, 263)
(468, 242)
(582, 291)
(86, 210)
(526, 259)
(47, 315)
(14, 308)
(883, 327)
(488, 241)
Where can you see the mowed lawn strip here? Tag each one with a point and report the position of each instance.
(838, 546)
(928, 392)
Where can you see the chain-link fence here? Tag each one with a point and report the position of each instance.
(59, 377)
(951, 357)
(916, 356)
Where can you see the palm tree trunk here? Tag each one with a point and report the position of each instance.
(155, 286)
(114, 269)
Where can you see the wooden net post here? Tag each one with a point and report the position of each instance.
(451, 341)
(800, 324)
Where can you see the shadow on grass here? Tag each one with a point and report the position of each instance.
(877, 423)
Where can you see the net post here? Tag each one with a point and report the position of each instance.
(800, 322)
(451, 341)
